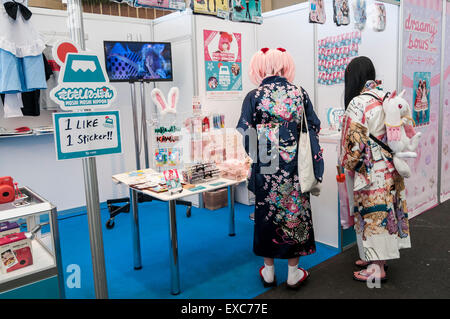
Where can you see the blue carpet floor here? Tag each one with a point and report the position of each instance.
(212, 264)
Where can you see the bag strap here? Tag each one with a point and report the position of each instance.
(376, 140)
(304, 120)
(382, 145)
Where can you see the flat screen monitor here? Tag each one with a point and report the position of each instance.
(138, 61)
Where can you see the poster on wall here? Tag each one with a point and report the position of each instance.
(445, 170)
(204, 7)
(378, 17)
(317, 11)
(223, 64)
(160, 4)
(334, 54)
(341, 12)
(246, 11)
(422, 23)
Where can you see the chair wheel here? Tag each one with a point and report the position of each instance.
(188, 212)
(110, 224)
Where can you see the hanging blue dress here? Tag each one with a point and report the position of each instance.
(283, 221)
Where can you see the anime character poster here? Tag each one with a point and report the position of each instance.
(421, 98)
(204, 7)
(246, 11)
(421, 75)
(223, 64)
(317, 11)
(341, 12)
(223, 8)
(359, 13)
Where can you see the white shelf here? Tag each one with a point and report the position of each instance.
(42, 260)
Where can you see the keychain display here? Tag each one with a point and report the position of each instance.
(359, 13)
(317, 12)
(341, 12)
(168, 156)
(335, 53)
(167, 139)
(163, 129)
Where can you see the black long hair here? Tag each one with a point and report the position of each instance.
(358, 72)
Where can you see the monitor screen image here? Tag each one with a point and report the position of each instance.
(138, 61)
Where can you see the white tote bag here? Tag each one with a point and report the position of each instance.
(308, 182)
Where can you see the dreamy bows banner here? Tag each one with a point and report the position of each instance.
(422, 34)
(445, 171)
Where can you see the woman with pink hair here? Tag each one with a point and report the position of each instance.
(270, 123)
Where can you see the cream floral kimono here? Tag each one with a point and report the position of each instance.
(380, 211)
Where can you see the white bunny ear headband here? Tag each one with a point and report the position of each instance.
(164, 106)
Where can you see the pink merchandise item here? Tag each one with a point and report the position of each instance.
(15, 252)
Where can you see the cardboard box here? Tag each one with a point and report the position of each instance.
(15, 252)
(215, 199)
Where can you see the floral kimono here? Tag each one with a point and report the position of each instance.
(380, 211)
(283, 224)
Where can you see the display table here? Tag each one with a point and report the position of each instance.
(171, 198)
(44, 277)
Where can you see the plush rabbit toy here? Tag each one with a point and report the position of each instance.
(164, 106)
(401, 136)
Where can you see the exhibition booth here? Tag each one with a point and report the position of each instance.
(170, 144)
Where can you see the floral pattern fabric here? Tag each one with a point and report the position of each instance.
(380, 210)
(283, 223)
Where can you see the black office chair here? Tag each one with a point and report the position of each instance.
(115, 210)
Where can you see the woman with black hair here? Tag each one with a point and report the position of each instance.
(380, 211)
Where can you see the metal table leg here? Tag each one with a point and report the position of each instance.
(174, 267)
(231, 189)
(135, 230)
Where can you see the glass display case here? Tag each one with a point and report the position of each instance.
(29, 248)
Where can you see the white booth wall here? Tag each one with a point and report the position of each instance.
(62, 182)
(31, 160)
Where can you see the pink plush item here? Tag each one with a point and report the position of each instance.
(409, 130)
(270, 62)
(393, 133)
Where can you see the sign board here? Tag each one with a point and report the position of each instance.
(83, 83)
(87, 134)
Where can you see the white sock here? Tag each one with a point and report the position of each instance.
(268, 273)
(294, 275)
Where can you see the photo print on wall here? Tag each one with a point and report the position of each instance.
(421, 98)
(317, 11)
(379, 17)
(359, 13)
(341, 12)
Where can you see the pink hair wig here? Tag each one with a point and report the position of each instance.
(265, 63)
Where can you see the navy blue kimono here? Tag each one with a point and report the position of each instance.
(273, 114)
